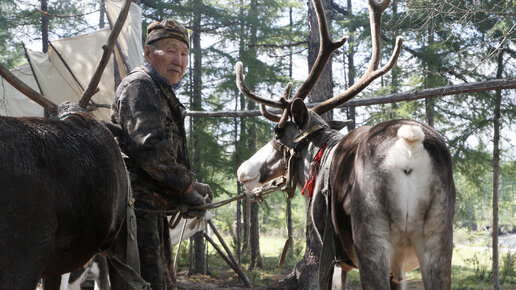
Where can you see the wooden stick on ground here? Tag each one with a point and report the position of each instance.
(238, 269)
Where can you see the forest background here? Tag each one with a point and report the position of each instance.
(446, 42)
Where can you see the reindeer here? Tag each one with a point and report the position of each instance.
(64, 188)
(383, 196)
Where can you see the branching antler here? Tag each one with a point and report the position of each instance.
(108, 50)
(239, 67)
(375, 10)
(326, 48)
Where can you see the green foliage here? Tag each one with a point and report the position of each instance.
(508, 268)
(481, 269)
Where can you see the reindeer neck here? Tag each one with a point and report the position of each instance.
(329, 138)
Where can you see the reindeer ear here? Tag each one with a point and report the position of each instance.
(299, 112)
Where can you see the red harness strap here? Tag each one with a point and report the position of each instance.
(312, 174)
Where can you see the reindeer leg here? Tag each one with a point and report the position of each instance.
(398, 285)
(373, 253)
(434, 244)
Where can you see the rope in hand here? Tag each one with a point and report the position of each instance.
(257, 195)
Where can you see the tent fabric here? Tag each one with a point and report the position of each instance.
(53, 85)
(192, 227)
(130, 39)
(82, 54)
(66, 70)
(14, 103)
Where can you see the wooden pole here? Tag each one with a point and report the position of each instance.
(496, 84)
(238, 269)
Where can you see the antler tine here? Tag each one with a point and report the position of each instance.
(270, 116)
(26, 90)
(250, 94)
(326, 48)
(108, 49)
(375, 10)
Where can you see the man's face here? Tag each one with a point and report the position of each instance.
(169, 59)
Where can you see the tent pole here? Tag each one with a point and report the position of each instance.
(45, 113)
(66, 65)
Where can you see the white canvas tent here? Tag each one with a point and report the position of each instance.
(14, 103)
(63, 73)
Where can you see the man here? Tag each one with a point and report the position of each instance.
(154, 139)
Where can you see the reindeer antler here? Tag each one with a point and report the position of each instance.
(326, 48)
(375, 11)
(108, 50)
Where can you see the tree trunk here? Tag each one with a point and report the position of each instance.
(496, 173)
(289, 202)
(254, 230)
(305, 273)
(429, 82)
(351, 112)
(304, 276)
(254, 243)
(323, 88)
(198, 262)
(44, 26)
(243, 127)
(396, 71)
(102, 8)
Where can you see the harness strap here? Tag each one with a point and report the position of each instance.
(305, 134)
(314, 170)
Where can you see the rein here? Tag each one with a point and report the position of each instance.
(286, 182)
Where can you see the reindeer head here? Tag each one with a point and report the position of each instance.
(297, 121)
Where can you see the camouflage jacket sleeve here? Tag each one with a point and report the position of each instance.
(150, 137)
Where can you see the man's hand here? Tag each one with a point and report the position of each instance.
(204, 190)
(199, 195)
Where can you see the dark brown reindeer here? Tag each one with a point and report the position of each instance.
(383, 198)
(64, 188)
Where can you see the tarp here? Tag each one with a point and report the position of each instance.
(82, 54)
(130, 39)
(192, 226)
(14, 103)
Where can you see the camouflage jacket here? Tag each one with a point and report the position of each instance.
(152, 121)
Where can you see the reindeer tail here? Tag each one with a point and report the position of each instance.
(411, 134)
